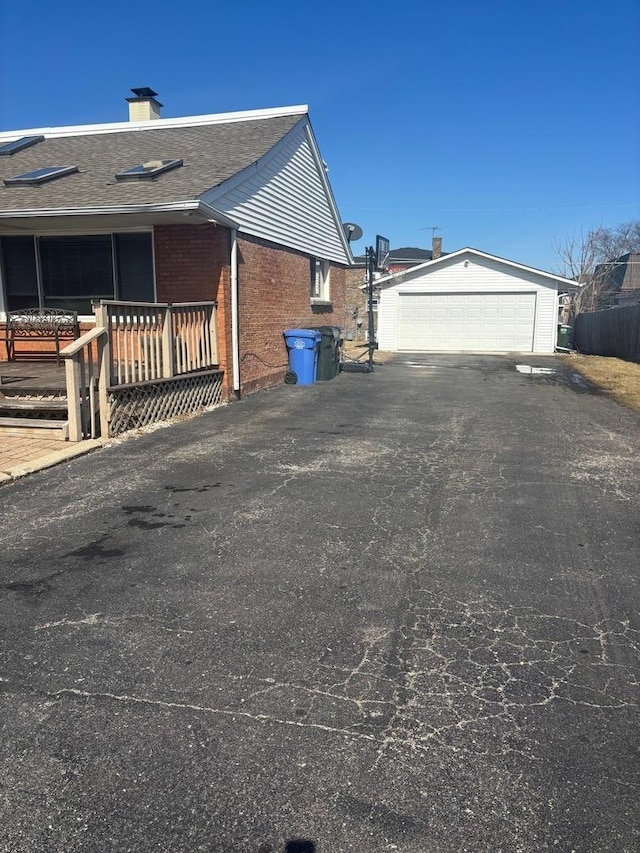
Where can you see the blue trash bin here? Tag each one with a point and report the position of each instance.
(303, 346)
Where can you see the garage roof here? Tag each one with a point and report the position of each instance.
(394, 278)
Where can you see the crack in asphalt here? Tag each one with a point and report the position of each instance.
(456, 673)
(204, 709)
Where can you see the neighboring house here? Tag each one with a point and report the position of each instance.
(357, 291)
(356, 300)
(402, 259)
(618, 282)
(234, 207)
(470, 301)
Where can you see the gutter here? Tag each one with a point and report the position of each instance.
(195, 206)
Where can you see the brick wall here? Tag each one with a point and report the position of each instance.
(32, 348)
(274, 294)
(356, 300)
(193, 265)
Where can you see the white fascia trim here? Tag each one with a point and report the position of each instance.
(196, 206)
(327, 187)
(214, 215)
(152, 124)
(402, 274)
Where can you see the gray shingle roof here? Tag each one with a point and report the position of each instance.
(211, 154)
(405, 254)
(410, 253)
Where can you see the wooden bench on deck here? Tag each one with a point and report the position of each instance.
(32, 325)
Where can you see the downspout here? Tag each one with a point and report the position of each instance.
(235, 345)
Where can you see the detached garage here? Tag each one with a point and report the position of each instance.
(469, 301)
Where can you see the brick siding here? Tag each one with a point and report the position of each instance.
(193, 265)
(274, 286)
(356, 303)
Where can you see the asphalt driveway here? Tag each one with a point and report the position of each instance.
(395, 611)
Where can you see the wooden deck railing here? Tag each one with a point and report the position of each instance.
(150, 341)
(85, 391)
(135, 344)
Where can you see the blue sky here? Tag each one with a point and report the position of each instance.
(508, 125)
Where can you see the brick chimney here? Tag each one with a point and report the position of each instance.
(436, 248)
(144, 107)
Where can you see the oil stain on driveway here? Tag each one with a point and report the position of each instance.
(394, 611)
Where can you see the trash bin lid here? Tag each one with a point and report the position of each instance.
(303, 333)
(328, 330)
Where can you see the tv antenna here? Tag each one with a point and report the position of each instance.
(433, 229)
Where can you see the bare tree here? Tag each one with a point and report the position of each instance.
(590, 259)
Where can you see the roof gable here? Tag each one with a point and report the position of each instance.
(395, 278)
(286, 198)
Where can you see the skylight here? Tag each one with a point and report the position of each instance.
(18, 144)
(148, 170)
(40, 176)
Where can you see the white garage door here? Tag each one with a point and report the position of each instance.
(472, 322)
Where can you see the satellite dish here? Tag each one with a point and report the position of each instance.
(352, 231)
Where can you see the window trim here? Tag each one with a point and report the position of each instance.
(320, 285)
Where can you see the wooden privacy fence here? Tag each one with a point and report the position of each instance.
(614, 332)
(143, 363)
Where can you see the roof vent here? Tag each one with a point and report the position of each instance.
(144, 106)
(147, 170)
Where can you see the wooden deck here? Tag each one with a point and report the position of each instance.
(31, 375)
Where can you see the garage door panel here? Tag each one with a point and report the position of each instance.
(466, 321)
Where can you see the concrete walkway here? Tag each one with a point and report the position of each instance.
(20, 456)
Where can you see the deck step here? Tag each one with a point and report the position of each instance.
(15, 389)
(15, 404)
(34, 428)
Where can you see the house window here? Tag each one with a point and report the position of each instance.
(71, 272)
(320, 279)
(75, 271)
(19, 273)
(134, 267)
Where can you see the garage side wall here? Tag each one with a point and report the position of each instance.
(480, 275)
